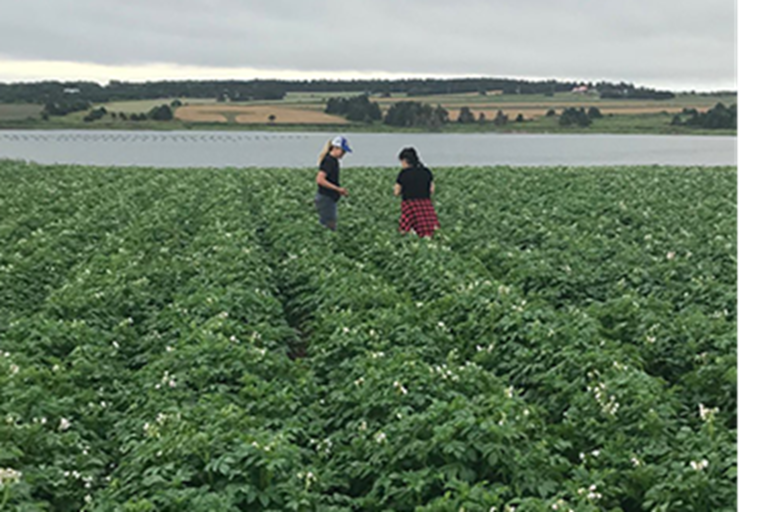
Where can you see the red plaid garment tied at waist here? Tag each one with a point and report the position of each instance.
(418, 215)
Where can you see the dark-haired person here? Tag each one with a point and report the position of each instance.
(416, 185)
(329, 189)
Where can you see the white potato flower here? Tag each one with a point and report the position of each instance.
(9, 476)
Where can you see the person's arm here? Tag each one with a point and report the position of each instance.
(431, 183)
(322, 180)
(398, 189)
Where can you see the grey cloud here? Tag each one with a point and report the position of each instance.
(653, 40)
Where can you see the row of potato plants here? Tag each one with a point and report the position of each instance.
(650, 252)
(201, 343)
(155, 376)
(558, 372)
(406, 423)
(681, 358)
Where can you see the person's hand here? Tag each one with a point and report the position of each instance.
(344, 192)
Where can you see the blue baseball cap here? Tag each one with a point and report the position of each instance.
(341, 142)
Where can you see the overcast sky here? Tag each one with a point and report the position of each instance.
(677, 44)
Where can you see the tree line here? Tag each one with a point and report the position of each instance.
(157, 113)
(632, 93)
(358, 108)
(415, 114)
(64, 107)
(573, 116)
(92, 92)
(466, 116)
(718, 117)
(249, 90)
(405, 114)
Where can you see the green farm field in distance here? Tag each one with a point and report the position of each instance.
(19, 111)
(193, 340)
(305, 111)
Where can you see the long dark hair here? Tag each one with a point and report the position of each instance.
(410, 156)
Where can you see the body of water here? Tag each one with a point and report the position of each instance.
(285, 149)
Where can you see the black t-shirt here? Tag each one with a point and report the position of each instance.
(330, 166)
(415, 182)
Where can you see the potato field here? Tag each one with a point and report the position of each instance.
(193, 340)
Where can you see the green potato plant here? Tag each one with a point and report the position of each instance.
(193, 339)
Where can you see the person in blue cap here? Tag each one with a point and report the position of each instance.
(329, 189)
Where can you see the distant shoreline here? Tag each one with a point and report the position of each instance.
(347, 112)
(530, 128)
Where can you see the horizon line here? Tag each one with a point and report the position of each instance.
(63, 71)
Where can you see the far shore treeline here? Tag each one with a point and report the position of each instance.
(251, 90)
